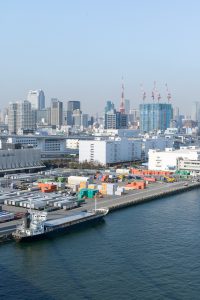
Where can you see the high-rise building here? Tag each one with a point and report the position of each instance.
(127, 106)
(77, 118)
(109, 106)
(115, 120)
(196, 111)
(155, 116)
(37, 99)
(21, 117)
(67, 118)
(26, 117)
(56, 112)
(12, 118)
(72, 105)
(43, 116)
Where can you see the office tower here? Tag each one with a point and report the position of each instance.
(109, 106)
(127, 106)
(77, 118)
(155, 116)
(12, 118)
(196, 111)
(21, 117)
(84, 120)
(37, 99)
(43, 116)
(26, 117)
(56, 112)
(67, 118)
(115, 120)
(72, 105)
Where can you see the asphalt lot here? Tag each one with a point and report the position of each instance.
(108, 201)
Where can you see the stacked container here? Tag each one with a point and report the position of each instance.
(111, 188)
(103, 188)
(83, 185)
(92, 193)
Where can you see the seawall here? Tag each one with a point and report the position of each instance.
(158, 195)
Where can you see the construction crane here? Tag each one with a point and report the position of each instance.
(168, 94)
(154, 92)
(143, 92)
(159, 97)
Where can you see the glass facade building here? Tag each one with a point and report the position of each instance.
(155, 116)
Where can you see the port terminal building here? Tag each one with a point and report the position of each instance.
(20, 159)
(185, 158)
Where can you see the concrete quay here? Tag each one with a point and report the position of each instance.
(135, 197)
(153, 195)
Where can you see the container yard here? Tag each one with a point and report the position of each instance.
(57, 193)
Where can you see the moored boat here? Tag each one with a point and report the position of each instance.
(35, 225)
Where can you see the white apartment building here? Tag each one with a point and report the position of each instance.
(167, 160)
(109, 151)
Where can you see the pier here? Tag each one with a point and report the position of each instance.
(135, 197)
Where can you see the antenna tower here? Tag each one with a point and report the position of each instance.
(122, 105)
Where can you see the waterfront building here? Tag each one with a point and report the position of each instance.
(37, 99)
(19, 159)
(155, 116)
(167, 160)
(155, 142)
(109, 151)
(193, 166)
(53, 146)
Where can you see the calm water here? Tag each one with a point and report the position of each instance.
(150, 251)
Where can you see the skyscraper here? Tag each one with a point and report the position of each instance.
(155, 116)
(114, 119)
(127, 106)
(12, 118)
(109, 106)
(37, 99)
(196, 111)
(21, 117)
(56, 112)
(72, 105)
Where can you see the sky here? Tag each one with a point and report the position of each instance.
(81, 49)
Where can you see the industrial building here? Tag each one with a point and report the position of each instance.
(167, 160)
(19, 159)
(108, 151)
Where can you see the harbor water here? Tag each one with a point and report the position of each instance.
(149, 251)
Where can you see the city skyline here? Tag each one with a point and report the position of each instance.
(81, 50)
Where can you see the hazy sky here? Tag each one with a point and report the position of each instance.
(80, 49)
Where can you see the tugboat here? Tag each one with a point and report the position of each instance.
(35, 225)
